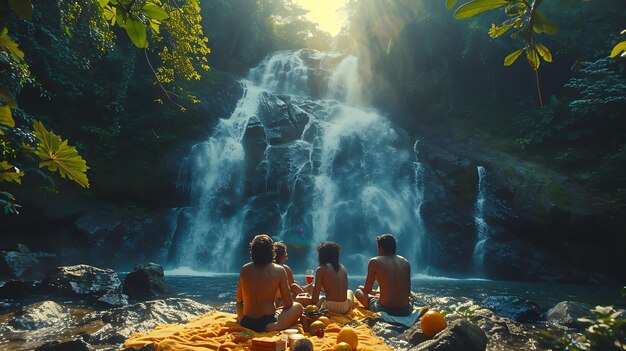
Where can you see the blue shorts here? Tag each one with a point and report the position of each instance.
(375, 306)
(257, 324)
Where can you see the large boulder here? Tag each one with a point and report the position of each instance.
(114, 326)
(81, 280)
(25, 264)
(513, 307)
(145, 281)
(461, 335)
(566, 313)
(71, 345)
(281, 121)
(40, 315)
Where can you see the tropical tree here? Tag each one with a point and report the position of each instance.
(169, 29)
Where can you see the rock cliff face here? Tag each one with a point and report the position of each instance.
(307, 169)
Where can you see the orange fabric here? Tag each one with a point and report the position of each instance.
(220, 331)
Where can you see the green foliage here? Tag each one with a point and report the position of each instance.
(619, 48)
(606, 331)
(524, 22)
(598, 86)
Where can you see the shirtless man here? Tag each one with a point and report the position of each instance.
(332, 277)
(259, 281)
(393, 274)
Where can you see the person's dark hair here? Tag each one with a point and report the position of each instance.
(388, 243)
(303, 345)
(280, 249)
(262, 250)
(328, 252)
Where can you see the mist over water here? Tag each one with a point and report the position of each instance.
(348, 176)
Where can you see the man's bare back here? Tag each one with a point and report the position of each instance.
(258, 286)
(259, 281)
(393, 274)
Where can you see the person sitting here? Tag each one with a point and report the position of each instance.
(332, 278)
(393, 274)
(259, 281)
(281, 257)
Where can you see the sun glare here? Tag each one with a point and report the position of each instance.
(327, 14)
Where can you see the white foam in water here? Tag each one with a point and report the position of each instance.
(481, 225)
(190, 272)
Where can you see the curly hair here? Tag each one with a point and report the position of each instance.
(262, 250)
(280, 250)
(388, 243)
(328, 252)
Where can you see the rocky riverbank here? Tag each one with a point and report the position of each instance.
(84, 308)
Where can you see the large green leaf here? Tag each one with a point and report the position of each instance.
(23, 8)
(511, 58)
(10, 173)
(136, 32)
(476, 7)
(450, 4)
(6, 117)
(154, 11)
(57, 155)
(544, 52)
(533, 58)
(10, 46)
(618, 49)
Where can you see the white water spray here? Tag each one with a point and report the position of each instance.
(481, 225)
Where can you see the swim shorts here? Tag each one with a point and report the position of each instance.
(257, 324)
(376, 306)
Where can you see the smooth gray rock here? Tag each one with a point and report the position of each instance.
(112, 300)
(566, 313)
(145, 281)
(81, 280)
(460, 335)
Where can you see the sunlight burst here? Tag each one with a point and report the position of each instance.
(328, 14)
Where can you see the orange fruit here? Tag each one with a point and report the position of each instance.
(315, 326)
(432, 323)
(348, 335)
(324, 320)
(342, 346)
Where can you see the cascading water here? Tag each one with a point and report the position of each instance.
(481, 225)
(301, 160)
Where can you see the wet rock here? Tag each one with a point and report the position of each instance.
(513, 307)
(73, 345)
(460, 335)
(19, 288)
(24, 264)
(81, 280)
(149, 347)
(112, 300)
(41, 315)
(118, 324)
(145, 281)
(282, 123)
(566, 313)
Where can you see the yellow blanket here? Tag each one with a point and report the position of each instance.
(220, 331)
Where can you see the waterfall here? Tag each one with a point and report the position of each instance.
(479, 220)
(303, 160)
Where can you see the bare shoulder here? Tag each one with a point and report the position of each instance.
(287, 268)
(404, 260)
(279, 269)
